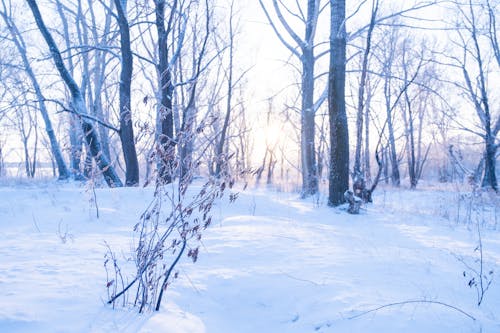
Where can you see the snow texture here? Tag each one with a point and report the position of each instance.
(270, 262)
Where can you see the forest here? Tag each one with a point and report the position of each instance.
(159, 131)
(122, 91)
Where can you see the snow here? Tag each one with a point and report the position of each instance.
(270, 262)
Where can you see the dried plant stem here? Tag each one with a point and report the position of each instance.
(167, 276)
(413, 302)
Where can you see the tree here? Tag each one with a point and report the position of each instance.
(78, 102)
(221, 158)
(389, 51)
(303, 49)
(397, 77)
(479, 96)
(360, 177)
(75, 135)
(476, 34)
(165, 117)
(190, 97)
(101, 37)
(415, 107)
(126, 128)
(18, 40)
(339, 134)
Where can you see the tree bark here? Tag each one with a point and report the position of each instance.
(339, 135)
(490, 178)
(308, 127)
(165, 116)
(126, 128)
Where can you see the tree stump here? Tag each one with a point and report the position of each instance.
(354, 202)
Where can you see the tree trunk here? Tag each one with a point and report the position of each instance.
(308, 127)
(307, 59)
(75, 139)
(100, 76)
(75, 136)
(77, 102)
(165, 116)
(489, 178)
(126, 128)
(186, 144)
(361, 94)
(395, 178)
(220, 157)
(410, 141)
(367, 172)
(339, 135)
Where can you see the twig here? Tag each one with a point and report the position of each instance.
(167, 276)
(34, 222)
(413, 302)
(299, 279)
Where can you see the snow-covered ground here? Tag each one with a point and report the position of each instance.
(270, 262)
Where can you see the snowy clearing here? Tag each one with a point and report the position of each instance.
(269, 263)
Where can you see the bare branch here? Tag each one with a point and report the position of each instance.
(413, 302)
(278, 34)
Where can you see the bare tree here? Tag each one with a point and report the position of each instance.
(304, 50)
(20, 44)
(339, 135)
(415, 108)
(478, 25)
(75, 133)
(165, 117)
(357, 173)
(189, 109)
(481, 101)
(221, 158)
(126, 128)
(98, 100)
(390, 50)
(25, 123)
(78, 102)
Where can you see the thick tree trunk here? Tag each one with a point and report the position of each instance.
(77, 102)
(489, 178)
(75, 139)
(339, 136)
(308, 126)
(126, 128)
